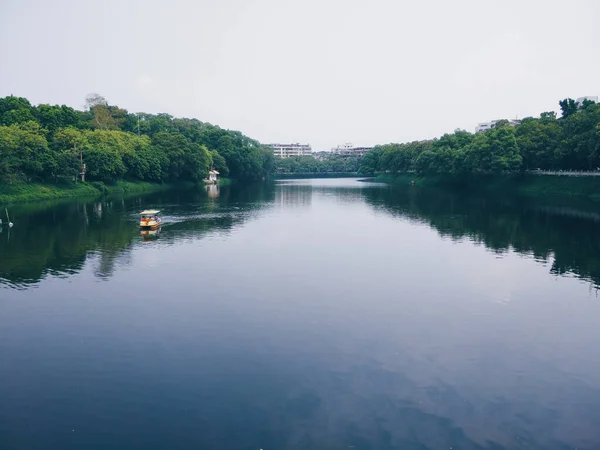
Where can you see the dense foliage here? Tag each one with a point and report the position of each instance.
(571, 142)
(309, 164)
(48, 142)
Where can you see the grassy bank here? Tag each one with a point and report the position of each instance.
(522, 184)
(30, 192)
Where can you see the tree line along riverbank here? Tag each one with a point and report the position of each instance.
(518, 183)
(547, 142)
(44, 148)
(52, 144)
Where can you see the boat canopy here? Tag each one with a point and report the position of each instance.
(149, 212)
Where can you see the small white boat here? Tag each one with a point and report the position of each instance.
(150, 219)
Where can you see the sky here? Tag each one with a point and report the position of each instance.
(320, 72)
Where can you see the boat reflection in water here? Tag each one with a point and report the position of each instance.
(212, 190)
(150, 235)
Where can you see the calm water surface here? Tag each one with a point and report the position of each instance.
(313, 314)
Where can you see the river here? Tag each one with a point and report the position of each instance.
(307, 314)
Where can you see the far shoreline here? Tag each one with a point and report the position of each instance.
(38, 192)
(524, 184)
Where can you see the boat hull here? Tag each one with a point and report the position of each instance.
(150, 227)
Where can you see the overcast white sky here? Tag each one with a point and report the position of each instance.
(322, 72)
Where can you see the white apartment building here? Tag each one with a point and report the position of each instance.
(290, 150)
(348, 149)
(484, 126)
(592, 98)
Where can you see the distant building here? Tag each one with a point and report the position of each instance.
(484, 126)
(592, 98)
(290, 150)
(348, 149)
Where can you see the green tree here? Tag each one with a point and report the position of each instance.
(494, 151)
(369, 163)
(538, 141)
(197, 162)
(53, 117)
(426, 162)
(219, 163)
(568, 106)
(579, 148)
(187, 160)
(267, 161)
(104, 116)
(15, 110)
(24, 153)
(104, 164)
(68, 145)
(172, 145)
(103, 155)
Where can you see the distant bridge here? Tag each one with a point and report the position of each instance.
(317, 175)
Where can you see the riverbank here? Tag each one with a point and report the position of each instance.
(588, 187)
(31, 192)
